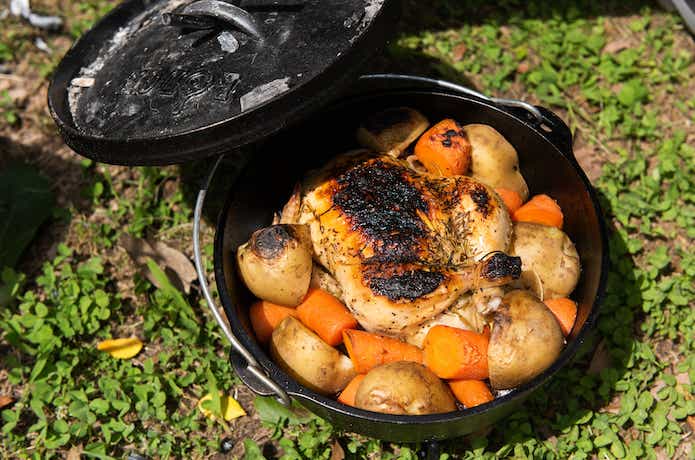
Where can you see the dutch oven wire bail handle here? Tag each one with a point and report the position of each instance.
(257, 379)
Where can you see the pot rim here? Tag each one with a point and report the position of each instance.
(515, 395)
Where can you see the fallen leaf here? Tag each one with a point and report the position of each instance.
(337, 452)
(683, 378)
(176, 265)
(658, 385)
(616, 46)
(613, 407)
(523, 67)
(601, 359)
(691, 422)
(230, 407)
(459, 52)
(121, 348)
(5, 401)
(75, 453)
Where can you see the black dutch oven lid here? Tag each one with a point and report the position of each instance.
(168, 81)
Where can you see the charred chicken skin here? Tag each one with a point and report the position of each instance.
(403, 245)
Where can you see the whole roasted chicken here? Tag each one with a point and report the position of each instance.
(411, 237)
(403, 245)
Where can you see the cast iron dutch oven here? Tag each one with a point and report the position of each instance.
(157, 83)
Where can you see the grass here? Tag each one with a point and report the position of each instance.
(620, 73)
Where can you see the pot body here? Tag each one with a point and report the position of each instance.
(266, 183)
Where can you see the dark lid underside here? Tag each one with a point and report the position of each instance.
(135, 90)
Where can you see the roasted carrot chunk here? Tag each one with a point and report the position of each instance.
(368, 350)
(325, 315)
(541, 209)
(265, 317)
(444, 149)
(471, 393)
(512, 200)
(347, 396)
(565, 311)
(454, 353)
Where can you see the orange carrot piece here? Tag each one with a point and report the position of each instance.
(347, 396)
(325, 315)
(454, 353)
(370, 350)
(444, 149)
(471, 393)
(541, 209)
(565, 310)
(512, 200)
(265, 317)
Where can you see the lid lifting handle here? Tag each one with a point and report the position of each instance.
(266, 384)
(210, 14)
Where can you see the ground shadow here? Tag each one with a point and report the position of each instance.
(68, 181)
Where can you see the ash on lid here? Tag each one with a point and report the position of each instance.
(260, 94)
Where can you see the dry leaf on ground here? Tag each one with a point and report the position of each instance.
(175, 264)
(230, 407)
(337, 452)
(616, 46)
(121, 348)
(75, 453)
(459, 52)
(5, 401)
(601, 359)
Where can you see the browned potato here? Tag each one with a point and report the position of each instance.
(404, 387)
(308, 359)
(391, 131)
(526, 339)
(549, 253)
(494, 161)
(275, 264)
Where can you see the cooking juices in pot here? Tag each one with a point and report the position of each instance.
(415, 274)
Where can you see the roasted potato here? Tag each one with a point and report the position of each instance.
(494, 160)
(404, 387)
(275, 264)
(526, 339)
(308, 359)
(549, 253)
(391, 131)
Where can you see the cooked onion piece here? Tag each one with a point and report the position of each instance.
(391, 131)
